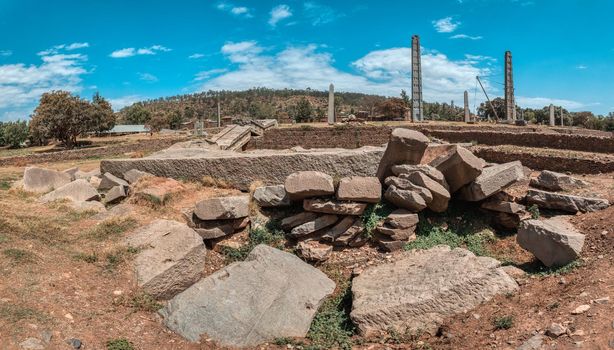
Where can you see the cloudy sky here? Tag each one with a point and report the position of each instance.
(563, 50)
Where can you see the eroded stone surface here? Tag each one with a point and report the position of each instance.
(334, 207)
(459, 167)
(360, 189)
(492, 180)
(554, 181)
(405, 147)
(305, 184)
(42, 180)
(272, 294)
(565, 202)
(421, 289)
(171, 258)
(231, 207)
(78, 191)
(555, 242)
(271, 196)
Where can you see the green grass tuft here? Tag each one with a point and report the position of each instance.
(112, 228)
(503, 322)
(115, 258)
(140, 302)
(534, 211)
(15, 313)
(19, 256)
(119, 344)
(88, 258)
(271, 235)
(556, 271)
(373, 215)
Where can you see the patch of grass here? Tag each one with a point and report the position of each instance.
(271, 235)
(112, 228)
(3, 238)
(119, 344)
(48, 230)
(556, 271)
(88, 258)
(115, 258)
(306, 127)
(15, 313)
(19, 256)
(503, 322)
(140, 302)
(331, 327)
(534, 211)
(373, 215)
(5, 185)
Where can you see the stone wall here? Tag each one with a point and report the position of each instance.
(346, 136)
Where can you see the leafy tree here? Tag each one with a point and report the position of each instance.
(14, 134)
(62, 116)
(175, 120)
(158, 122)
(102, 117)
(393, 108)
(137, 114)
(485, 111)
(405, 98)
(301, 111)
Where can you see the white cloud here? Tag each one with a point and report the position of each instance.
(131, 51)
(581, 67)
(540, 102)
(75, 46)
(279, 13)
(121, 102)
(21, 85)
(465, 36)
(6, 53)
(319, 14)
(204, 75)
(382, 72)
(445, 25)
(68, 47)
(196, 56)
(240, 11)
(148, 77)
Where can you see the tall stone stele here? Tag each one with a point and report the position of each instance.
(552, 123)
(331, 104)
(416, 81)
(467, 112)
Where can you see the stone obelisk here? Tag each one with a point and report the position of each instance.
(331, 104)
(467, 112)
(416, 81)
(562, 119)
(510, 104)
(552, 123)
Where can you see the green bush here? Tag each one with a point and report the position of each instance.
(13, 134)
(503, 322)
(119, 344)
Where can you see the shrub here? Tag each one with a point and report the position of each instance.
(119, 344)
(13, 134)
(503, 322)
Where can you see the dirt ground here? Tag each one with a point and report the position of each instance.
(64, 275)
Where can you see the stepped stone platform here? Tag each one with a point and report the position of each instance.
(195, 160)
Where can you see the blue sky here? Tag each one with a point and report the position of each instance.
(563, 51)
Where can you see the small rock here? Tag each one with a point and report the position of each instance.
(314, 251)
(407, 199)
(580, 309)
(459, 167)
(334, 207)
(75, 343)
(78, 191)
(533, 343)
(32, 344)
(109, 181)
(565, 202)
(556, 330)
(271, 196)
(231, 207)
(603, 300)
(553, 181)
(555, 242)
(404, 147)
(115, 194)
(305, 184)
(313, 226)
(295, 220)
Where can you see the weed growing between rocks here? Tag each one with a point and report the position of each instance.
(115, 258)
(119, 344)
(542, 270)
(271, 234)
(534, 211)
(373, 215)
(331, 327)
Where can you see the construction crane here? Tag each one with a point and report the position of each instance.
(487, 98)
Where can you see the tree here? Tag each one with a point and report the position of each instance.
(158, 122)
(175, 120)
(137, 114)
(62, 116)
(392, 108)
(14, 134)
(405, 98)
(301, 112)
(102, 117)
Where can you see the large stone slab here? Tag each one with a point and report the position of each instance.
(305, 184)
(555, 242)
(408, 169)
(271, 196)
(231, 207)
(554, 181)
(404, 147)
(422, 288)
(440, 194)
(241, 169)
(492, 180)
(360, 189)
(334, 207)
(459, 167)
(109, 181)
(272, 294)
(407, 199)
(298, 219)
(172, 257)
(313, 226)
(78, 191)
(565, 202)
(42, 180)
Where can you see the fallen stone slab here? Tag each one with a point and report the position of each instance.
(115, 194)
(555, 242)
(407, 199)
(492, 180)
(313, 226)
(157, 190)
(565, 202)
(404, 183)
(338, 229)
(290, 222)
(396, 234)
(351, 235)
(78, 191)
(231, 207)
(334, 207)
(422, 288)
(272, 294)
(441, 196)
(554, 181)
(133, 175)
(171, 258)
(360, 189)
(402, 218)
(212, 229)
(504, 207)
(305, 184)
(240, 170)
(108, 181)
(271, 196)
(404, 147)
(459, 167)
(314, 251)
(42, 180)
(391, 244)
(408, 169)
